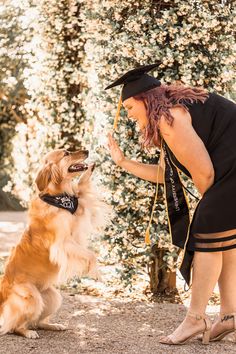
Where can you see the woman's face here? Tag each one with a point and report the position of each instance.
(136, 111)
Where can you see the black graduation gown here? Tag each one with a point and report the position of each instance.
(215, 123)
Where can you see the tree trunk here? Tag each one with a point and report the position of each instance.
(162, 281)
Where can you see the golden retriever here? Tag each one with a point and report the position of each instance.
(53, 248)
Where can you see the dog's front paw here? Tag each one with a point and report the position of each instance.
(87, 174)
(30, 334)
(52, 326)
(58, 327)
(95, 274)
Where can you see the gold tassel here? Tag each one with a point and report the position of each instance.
(147, 236)
(147, 233)
(117, 114)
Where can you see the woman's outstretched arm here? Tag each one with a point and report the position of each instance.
(147, 172)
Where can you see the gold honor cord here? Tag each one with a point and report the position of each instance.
(115, 125)
(147, 233)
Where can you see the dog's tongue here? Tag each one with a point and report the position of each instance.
(78, 167)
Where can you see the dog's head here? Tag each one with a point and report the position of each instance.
(60, 165)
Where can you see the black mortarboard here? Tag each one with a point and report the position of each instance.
(135, 82)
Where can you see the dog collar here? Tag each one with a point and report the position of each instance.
(63, 201)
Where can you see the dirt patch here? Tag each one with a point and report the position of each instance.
(96, 325)
(102, 319)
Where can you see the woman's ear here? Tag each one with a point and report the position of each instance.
(43, 177)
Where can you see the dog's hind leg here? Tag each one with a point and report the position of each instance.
(52, 302)
(21, 308)
(8, 318)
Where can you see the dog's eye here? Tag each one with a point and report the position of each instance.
(66, 153)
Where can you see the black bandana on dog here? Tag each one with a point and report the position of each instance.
(62, 201)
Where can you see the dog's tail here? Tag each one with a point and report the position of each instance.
(1, 302)
(1, 292)
(3, 297)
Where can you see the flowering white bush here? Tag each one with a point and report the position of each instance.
(73, 51)
(13, 94)
(194, 40)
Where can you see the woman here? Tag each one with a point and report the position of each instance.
(196, 130)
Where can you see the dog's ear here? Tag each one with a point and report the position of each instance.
(43, 177)
(55, 174)
(48, 173)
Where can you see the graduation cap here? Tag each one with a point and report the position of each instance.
(134, 82)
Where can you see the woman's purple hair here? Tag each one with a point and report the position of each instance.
(158, 102)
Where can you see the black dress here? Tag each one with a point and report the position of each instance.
(215, 123)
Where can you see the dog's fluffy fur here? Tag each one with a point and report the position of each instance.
(53, 248)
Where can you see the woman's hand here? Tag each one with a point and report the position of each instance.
(138, 169)
(115, 151)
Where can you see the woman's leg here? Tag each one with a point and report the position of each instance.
(227, 287)
(207, 267)
(227, 282)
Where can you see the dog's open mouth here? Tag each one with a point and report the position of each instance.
(78, 167)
